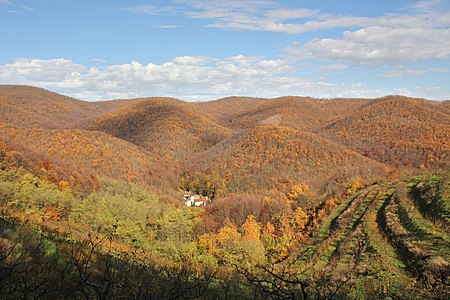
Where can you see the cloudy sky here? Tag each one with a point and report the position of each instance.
(208, 49)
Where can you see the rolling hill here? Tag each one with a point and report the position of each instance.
(33, 107)
(249, 143)
(398, 131)
(169, 127)
(227, 107)
(86, 153)
(264, 157)
(309, 197)
(301, 113)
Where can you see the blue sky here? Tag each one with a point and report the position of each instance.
(204, 50)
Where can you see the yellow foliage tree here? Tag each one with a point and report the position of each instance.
(207, 242)
(63, 185)
(299, 219)
(286, 239)
(269, 238)
(356, 185)
(299, 191)
(228, 234)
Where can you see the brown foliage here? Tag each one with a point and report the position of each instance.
(287, 141)
(302, 113)
(76, 156)
(258, 159)
(168, 127)
(232, 209)
(32, 107)
(398, 131)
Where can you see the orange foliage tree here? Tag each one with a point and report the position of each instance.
(251, 228)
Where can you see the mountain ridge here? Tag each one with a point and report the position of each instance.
(397, 131)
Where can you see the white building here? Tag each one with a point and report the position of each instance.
(194, 199)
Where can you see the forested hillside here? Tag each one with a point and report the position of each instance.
(269, 157)
(169, 127)
(397, 131)
(77, 155)
(296, 112)
(32, 107)
(307, 198)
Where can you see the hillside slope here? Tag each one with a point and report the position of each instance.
(169, 127)
(246, 144)
(296, 112)
(33, 107)
(398, 131)
(266, 157)
(226, 107)
(386, 236)
(88, 152)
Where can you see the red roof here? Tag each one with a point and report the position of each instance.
(200, 199)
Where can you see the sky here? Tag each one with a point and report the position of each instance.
(207, 49)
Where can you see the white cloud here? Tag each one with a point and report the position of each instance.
(376, 46)
(167, 26)
(100, 60)
(333, 67)
(433, 92)
(249, 6)
(15, 8)
(152, 10)
(415, 32)
(189, 60)
(39, 70)
(427, 5)
(413, 72)
(275, 16)
(142, 9)
(287, 14)
(184, 77)
(26, 8)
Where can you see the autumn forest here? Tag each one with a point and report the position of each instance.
(304, 198)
